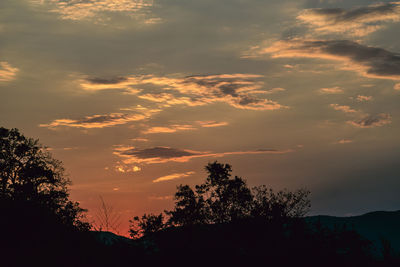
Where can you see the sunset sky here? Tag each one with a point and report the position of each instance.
(136, 96)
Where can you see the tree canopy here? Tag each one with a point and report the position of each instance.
(29, 174)
(222, 198)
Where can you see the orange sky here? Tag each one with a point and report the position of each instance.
(136, 97)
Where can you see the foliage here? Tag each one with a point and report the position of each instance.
(283, 204)
(146, 225)
(226, 199)
(29, 174)
(223, 199)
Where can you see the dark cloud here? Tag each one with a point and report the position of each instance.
(153, 155)
(370, 12)
(370, 61)
(158, 152)
(372, 121)
(114, 80)
(357, 21)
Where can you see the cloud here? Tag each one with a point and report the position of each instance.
(139, 139)
(98, 84)
(126, 169)
(132, 155)
(364, 98)
(332, 90)
(160, 197)
(211, 124)
(369, 61)
(371, 121)
(345, 109)
(358, 21)
(173, 176)
(105, 120)
(344, 141)
(96, 121)
(183, 127)
(238, 90)
(7, 72)
(94, 9)
(169, 129)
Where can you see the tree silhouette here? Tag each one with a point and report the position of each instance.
(29, 174)
(145, 225)
(225, 199)
(106, 218)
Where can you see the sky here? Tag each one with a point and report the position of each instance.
(135, 97)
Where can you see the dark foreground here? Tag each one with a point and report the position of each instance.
(32, 237)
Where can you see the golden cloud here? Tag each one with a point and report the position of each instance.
(332, 90)
(238, 90)
(359, 21)
(364, 98)
(173, 176)
(96, 121)
(369, 61)
(7, 72)
(344, 108)
(79, 10)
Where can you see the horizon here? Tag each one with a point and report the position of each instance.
(136, 97)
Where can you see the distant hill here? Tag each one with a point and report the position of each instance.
(109, 239)
(373, 226)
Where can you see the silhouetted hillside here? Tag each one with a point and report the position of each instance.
(374, 226)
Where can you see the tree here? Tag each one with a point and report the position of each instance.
(223, 199)
(106, 218)
(281, 205)
(145, 225)
(29, 174)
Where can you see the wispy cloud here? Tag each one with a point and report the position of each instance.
(7, 72)
(139, 113)
(211, 124)
(123, 168)
(364, 98)
(358, 21)
(169, 129)
(343, 108)
(369, 61)
(160, 197)
(96, 121)
(173, 176)
(94, 9)
(371, 121)
(183, 127)
(331, 91)
(344, 141)
(139, 139)
(132, 155)
(243, 91)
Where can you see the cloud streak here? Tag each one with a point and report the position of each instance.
(96, 121)
(331, 91)
(173, 176)
(372, 62)
(359, 21)
(239, 90)
(89, 9)
(132, 155)
(7, 72)
(184, 127)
